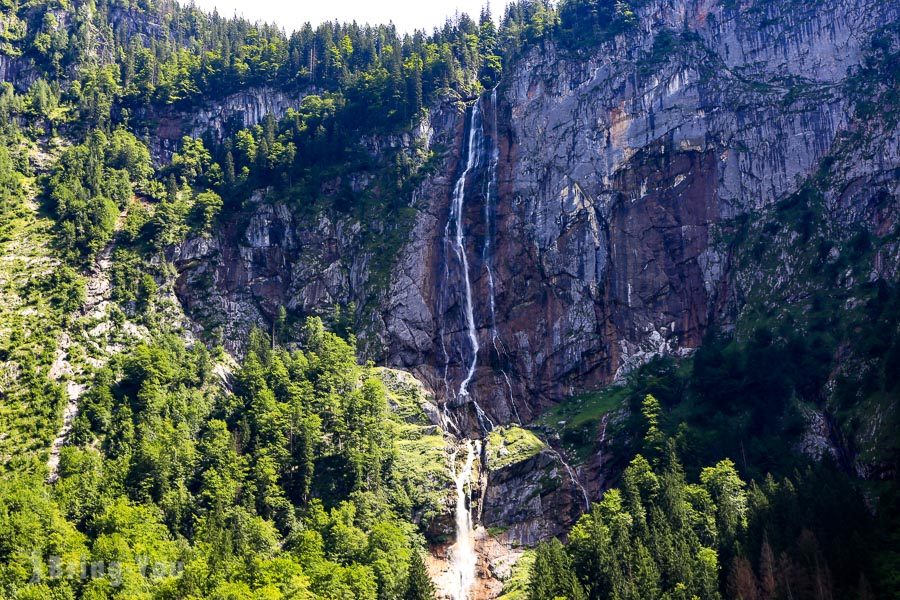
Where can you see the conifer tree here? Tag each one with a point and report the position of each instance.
(552, 577)
(418, 584)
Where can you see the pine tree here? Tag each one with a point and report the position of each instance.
(644, 572)
(229, 170)
(552, 577)
(654, 438)
(418, 583)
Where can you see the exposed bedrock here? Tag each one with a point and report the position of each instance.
(590, 220)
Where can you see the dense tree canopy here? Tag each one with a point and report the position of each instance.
(659, 536)
(280, 490)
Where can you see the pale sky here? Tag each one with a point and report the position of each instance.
(407, 15)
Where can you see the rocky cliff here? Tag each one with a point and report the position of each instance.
(614, 171)
(599, 189)
(215, 119)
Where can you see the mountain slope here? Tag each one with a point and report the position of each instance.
(647, 245)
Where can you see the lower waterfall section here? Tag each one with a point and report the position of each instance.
(463, 559)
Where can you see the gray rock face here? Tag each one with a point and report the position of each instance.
(614, 170)
(273, 258)
(531, 500)
(17, 72)
(249, 107)
(239, 110)
(234, 281)
(593, 238)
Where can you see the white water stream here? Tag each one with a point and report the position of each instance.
(463, 559)
(479, 154)
(491, 193)
(573, 476)
(475, 152)
(459, 245)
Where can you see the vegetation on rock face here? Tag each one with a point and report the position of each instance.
(304, 474)
(92, 183)
(578, 420)
(511, 445)
(38, 293)
(419, 466)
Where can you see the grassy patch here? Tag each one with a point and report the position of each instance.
(510, 445)
(576, 420)
(421, 473)
(406, 396)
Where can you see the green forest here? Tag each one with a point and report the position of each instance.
(285, 488)
(297, 471)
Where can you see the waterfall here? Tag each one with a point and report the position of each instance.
(481, 151)
(489, 195)
(474, 158)
(459, 243)
(512, 401)
(491, 186)
(573, 477)
(601, 440)
(463, 558)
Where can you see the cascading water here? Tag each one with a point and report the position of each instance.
(601, 440)
(491, 185)
(463, 558)
(475, 151)
(489, 195)
(574, 478)
(459, 246)
(482, 152)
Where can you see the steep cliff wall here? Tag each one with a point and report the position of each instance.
(614, 169)
(598, 217)
(309, 260)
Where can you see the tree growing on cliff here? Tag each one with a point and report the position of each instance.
(418, 584)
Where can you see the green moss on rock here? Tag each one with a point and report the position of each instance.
(510, 445)
(421, 476)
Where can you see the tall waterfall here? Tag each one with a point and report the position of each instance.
(463, 559)
(481, 155)
(459, 245)
(456, 223)
(491, 193)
